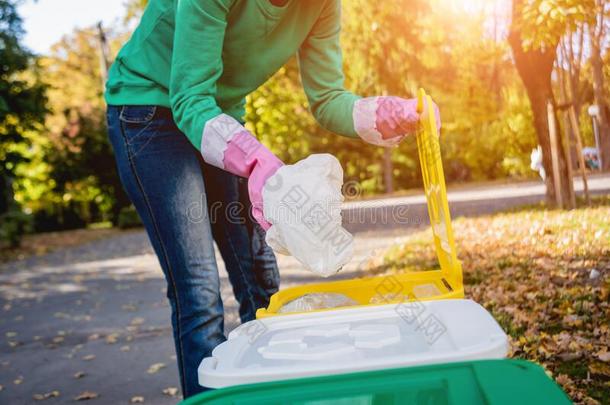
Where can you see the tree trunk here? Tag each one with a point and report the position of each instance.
(600, 99)
(535, 67)
(388, 168)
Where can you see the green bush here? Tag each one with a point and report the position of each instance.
(13, 225)
(129, 218)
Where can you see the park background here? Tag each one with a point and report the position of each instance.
(57, 165)
(501, 71)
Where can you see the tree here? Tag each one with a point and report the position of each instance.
(598, 30)
(534, 36)
(82, 162)
(22, 105)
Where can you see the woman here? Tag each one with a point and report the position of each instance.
(176, 95)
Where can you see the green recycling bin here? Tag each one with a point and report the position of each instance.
(478, 382)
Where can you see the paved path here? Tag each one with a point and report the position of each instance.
(400, 212)
(94, 317)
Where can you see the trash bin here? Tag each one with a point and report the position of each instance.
(495, 382)
(354, 339)
(443, 283)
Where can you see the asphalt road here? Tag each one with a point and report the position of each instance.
(94, 318)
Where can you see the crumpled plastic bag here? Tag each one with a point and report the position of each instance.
(303, 204)
(317, 301)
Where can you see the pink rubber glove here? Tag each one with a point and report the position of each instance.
(247, 157)
(228, 145)
(387, 120)
(299, 205)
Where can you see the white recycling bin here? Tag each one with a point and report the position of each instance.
(354, 339)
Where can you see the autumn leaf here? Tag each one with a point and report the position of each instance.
(89, 357)
(153, 369)
(79, 374)
(137, 400)
(42, 397)
(137, 321)
(86, 395)
(170, 391)
(531, 269)
(604, 356)
(112, 338)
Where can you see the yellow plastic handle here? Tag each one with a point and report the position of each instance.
(435, 189)
(421, 95)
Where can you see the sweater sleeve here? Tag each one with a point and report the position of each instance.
(321, 66)
(197, 64)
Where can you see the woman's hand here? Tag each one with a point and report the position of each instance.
(387, 120)
(298, 205)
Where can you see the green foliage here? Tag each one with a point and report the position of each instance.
(129, 218)
(390, 48)
(65, 176)
(22, 99)
(73, 168)
(544, 22)
(13, 225)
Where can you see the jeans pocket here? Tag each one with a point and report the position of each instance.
(137, 121)
(137, 114)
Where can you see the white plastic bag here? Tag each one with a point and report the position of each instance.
(317, 301)
(303, 204)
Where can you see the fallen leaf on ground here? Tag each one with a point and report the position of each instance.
(570, 356)
(125, 348)
(89, 357)
(137, 400)
(171, 391)
(79, 374)
(112, 338)
(1, 387)
(86, 395)
(42, 397)
(129, 307)
(531, 269)
(155, 368)
(604, 356)
(11, 334)
(601, 369)
(137, 321)
(18, 380)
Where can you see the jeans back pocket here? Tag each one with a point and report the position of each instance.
(137, 114)
(137, 121)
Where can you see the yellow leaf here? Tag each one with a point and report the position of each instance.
(155, 368)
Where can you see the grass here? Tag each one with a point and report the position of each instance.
(545, 276)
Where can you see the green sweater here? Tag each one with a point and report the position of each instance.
(202, 58)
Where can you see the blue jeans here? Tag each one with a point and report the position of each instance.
(185, 205)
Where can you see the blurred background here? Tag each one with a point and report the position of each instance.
(501, 71)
